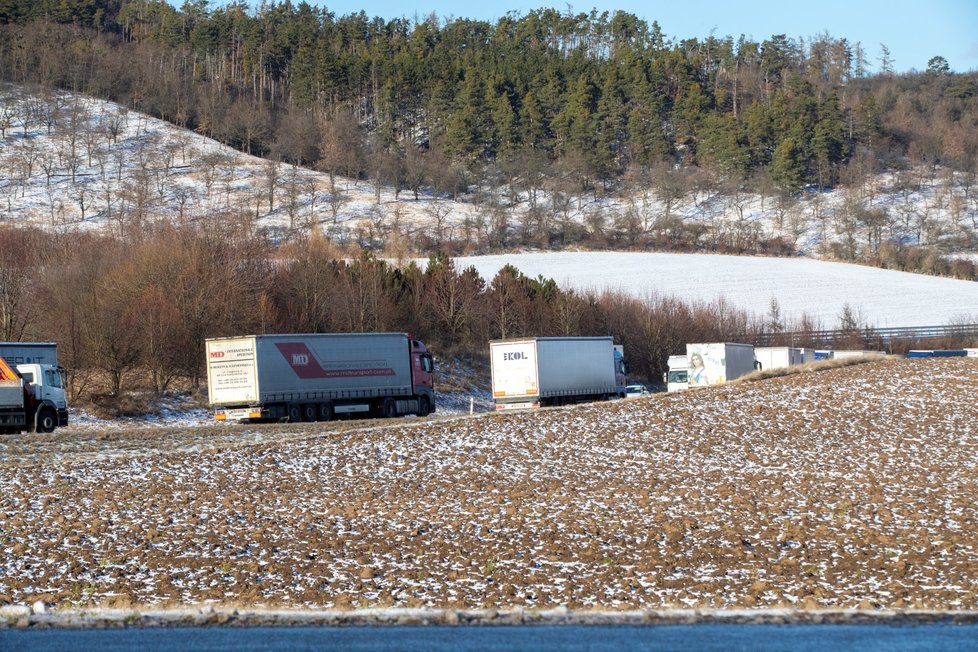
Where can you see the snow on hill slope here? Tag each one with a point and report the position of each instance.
(71, 162)
(883, 298)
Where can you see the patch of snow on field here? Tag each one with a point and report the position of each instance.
(169, 410)
(884, 298)
(461, 386)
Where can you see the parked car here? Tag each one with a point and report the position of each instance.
(636, 390)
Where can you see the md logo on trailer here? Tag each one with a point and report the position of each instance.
(305, 364)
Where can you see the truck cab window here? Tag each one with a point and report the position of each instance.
(27, 376)
(427, 364)
(52, 378)
(678, 377)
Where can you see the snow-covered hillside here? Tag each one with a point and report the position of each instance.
(883, 298)
(70, 162)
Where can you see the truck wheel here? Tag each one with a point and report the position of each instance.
(295, 413)
(424, 406)
(309, 412)
(325, 411)
(46, 420)
(389, 409)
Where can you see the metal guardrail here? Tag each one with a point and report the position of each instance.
(871, 338)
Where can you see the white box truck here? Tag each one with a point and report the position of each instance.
(837, 355)
(778, 357)
(32, 394)
(677, 378)
(314, 377)
(718, 362)
(542, 371)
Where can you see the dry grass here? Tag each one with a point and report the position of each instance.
(818, 365)
(92, 393)
(461, 375)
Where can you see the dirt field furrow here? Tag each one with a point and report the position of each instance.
(843, 488)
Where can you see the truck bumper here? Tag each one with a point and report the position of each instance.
(522, 405)
(240, 414)
(62, 417)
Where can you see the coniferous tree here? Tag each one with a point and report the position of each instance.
(596, 94)
(788, 166)
(828, 141)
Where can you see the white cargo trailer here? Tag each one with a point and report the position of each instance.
(42, 353)
(778, 357)
(718, 362)
(836, 355)
(541, 371)
(313, 377)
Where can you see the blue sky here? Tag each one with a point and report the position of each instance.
(913, 30)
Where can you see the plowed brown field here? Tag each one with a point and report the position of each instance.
(846, 487)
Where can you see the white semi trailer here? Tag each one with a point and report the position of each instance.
(541, 371)
(313, 377)
(838, 355)
(778, 357)
(718, 362)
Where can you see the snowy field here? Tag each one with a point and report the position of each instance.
(883, 298)
(851, 487)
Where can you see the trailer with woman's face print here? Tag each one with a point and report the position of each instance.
(716, 363)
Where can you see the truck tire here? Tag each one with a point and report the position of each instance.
(424, 406)
(47, 420)
(326, 412)
(309, 412)
(389, 408)
(295, 413)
